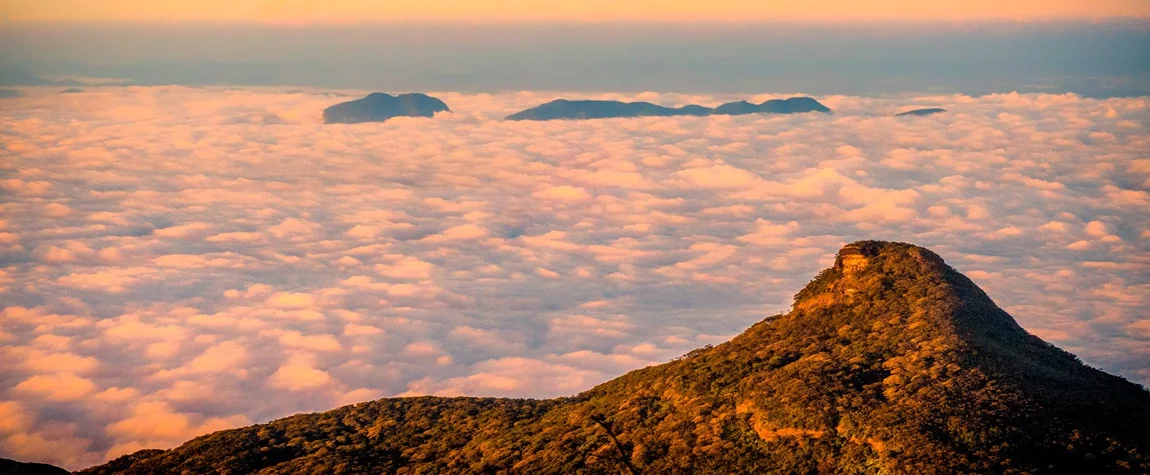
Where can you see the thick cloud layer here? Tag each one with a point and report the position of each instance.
(175, 261)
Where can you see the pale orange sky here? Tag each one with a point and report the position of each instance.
(579, 10)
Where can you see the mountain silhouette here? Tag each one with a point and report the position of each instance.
(12, 467)
(378, 107)
(592, 109)
(888, 362)
(927, 111)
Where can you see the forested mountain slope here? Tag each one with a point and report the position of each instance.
(890, 362)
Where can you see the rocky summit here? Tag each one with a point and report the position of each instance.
(889, 362)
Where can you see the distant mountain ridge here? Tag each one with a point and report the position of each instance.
(379, 107)
(920, 112)
(889, 362)
(12, 467)
(596, 109)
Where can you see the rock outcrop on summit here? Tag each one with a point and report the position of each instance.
(378, 107)
(567, 109)
(890, 362)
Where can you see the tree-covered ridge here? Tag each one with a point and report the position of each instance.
(889, 362)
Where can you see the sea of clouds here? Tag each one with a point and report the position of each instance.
(175, 261)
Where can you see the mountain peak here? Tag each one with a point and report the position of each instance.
(890, 362)
(865, 269)
(379, 107)
(858, 256)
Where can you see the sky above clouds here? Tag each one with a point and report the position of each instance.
(175, 261)
(586, 10)
(1104, 58)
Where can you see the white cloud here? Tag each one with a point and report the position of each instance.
(463, 232)
(182, 230)
(157, 424)
(150, 277)
(56, 387)
(299, 374)
(310, 342)
(563, 193)
(226, 356)
(290, 300)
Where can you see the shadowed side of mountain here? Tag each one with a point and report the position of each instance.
(12, 467)
(921, 112)
(595, 109)
(379, 107)
(890, 361)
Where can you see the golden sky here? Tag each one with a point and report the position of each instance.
(552, 10)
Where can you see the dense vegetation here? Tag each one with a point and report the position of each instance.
(889, 363)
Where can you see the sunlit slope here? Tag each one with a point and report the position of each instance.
(889, 362)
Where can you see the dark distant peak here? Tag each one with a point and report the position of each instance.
(10, 93)
(378, 107)
(736, 108)
(600, 109)
(591, 109)
(72, 90)
(695, 110)
(918, 112)
(793, 105)
(380, 97)
(799, 104)
(12, 467)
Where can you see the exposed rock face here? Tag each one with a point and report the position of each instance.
(850, 259)
(920, 112)
(590, 109)
(890, 362)
(378, 107)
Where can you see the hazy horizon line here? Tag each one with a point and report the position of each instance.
(548, 21)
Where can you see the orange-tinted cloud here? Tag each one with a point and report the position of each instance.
(466, 255)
